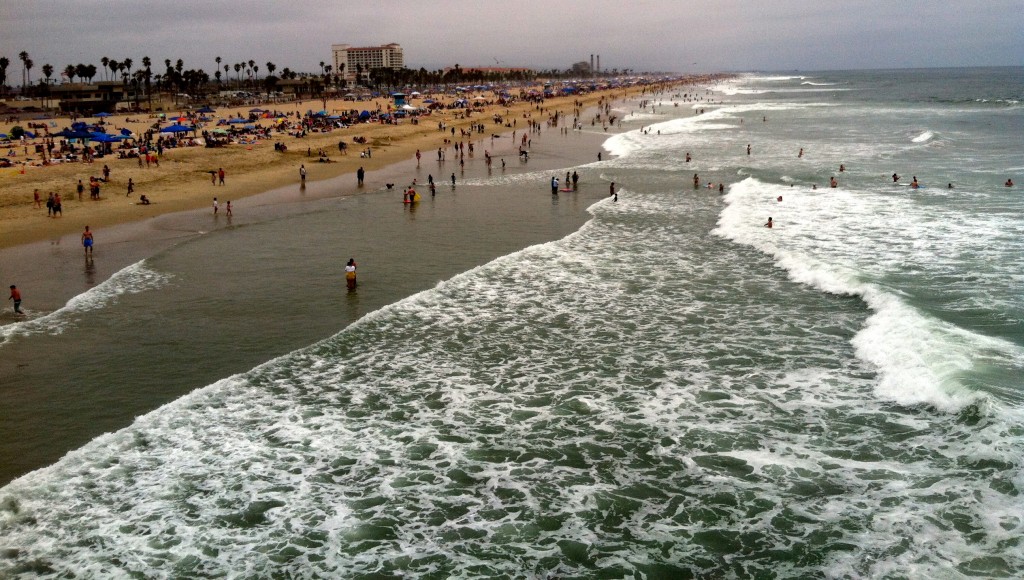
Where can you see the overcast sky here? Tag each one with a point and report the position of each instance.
(658, 35)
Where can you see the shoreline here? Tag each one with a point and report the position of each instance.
(181, 182)
(144, 350)
(128, 233)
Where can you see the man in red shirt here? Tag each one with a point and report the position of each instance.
(16, 296)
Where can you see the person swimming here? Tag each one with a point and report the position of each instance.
(769, 224)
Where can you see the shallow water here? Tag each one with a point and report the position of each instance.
(672, 390)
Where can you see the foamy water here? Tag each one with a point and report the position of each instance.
(672, 390)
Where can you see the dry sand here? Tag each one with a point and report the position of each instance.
(182, 181)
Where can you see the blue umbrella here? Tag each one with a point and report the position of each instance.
(105, 138)
(237, 120)
(103, 114)
(176, 129)
(3, 135)
(206, 110)
(126, 132)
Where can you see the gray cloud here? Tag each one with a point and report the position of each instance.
(668, 35)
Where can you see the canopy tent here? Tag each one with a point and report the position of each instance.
(176, 129)
(73, 134)
(105, 138)
(103, 114)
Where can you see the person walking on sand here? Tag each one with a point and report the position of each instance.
(360, 174)
(228, 209)
(302, 173)
(131, 187)
(87, 241)
(38, 201)
(220, 175)
(80, 188)
(16, 296)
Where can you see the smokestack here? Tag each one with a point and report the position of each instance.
(591, 64)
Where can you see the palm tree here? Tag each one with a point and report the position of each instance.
(28, 69)
(112, 65)
(81, 71)
(321, 67)
(47, 72)
(23, 56)
(69, 71)
(4, 63)
(271, 67)
(127, 65)
(105, 61)
(217, 60)
(90, 71)
(238, 69)
(256, 71)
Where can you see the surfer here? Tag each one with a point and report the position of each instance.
(914, 184)
(350, 274)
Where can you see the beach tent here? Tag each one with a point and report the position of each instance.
(206, 110)
(105, 138)
(73, 134)
(176, 129)
(237, 120)
(364, 115)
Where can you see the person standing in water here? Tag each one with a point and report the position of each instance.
(769, 224)
(350, 274)
(87, 241)
(16, 296)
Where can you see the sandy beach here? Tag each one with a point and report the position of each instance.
(182, 179)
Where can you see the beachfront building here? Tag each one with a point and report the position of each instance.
(348, 60)
(92, 98)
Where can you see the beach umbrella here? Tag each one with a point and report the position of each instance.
(176, 129)
(3, 135)
(206, 110)
(105, 138)
(103, 114)
(220, 131)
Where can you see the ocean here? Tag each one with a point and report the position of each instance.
(660, 388)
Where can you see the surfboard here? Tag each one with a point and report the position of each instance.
(565, 189)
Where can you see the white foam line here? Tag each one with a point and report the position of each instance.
(132, 279)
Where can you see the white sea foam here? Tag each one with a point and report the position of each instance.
(923, 137)
(132, 279)
(920, 359)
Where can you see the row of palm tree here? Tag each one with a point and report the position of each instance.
(247, 76)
